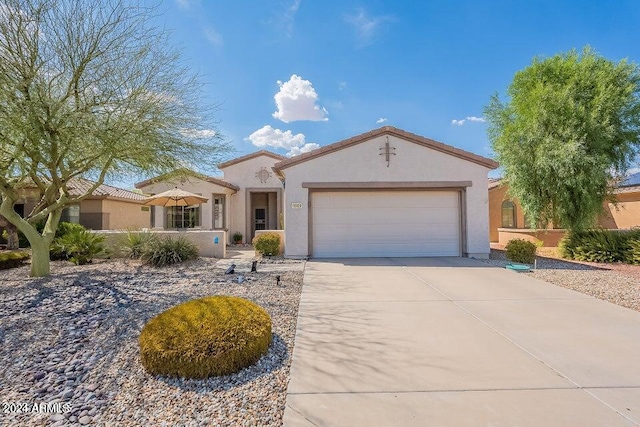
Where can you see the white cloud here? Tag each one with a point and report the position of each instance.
(289, 17)
(342, 85)
(467, 119)
(212, 36)
(296, 151)
(381, 120)
(367, 27)
(199, 133)
(296, 100)
(276, 138)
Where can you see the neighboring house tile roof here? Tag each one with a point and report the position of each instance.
(249, 157)
(79, 186)
(494, 183)
(388, 130)
(187, 172)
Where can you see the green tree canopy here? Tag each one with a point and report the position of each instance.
(90, 88)
(569, 129)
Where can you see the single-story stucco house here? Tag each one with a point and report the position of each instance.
(507, 219)
(383, 193)
(108, 208)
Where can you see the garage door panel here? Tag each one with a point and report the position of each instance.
(379, 223)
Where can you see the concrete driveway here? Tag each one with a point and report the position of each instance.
(454, 342)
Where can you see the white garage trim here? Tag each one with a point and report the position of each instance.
(377, 238)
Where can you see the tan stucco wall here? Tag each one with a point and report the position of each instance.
(243, 175)
(194, 185)
(623, 214)
(549, 238)
(125, 215)
(496, 197)
(363, 163)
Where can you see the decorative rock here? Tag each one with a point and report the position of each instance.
(91, 387)
(84, 420)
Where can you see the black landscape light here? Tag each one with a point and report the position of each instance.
(231, 269)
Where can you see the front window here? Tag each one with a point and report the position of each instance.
(71, 214)
(508, 214)
(218, 211)
(183, 216)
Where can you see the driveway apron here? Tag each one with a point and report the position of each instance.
(455, 342)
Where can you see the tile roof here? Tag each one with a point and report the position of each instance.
(388, 130)
(249, 157)
(217, 181)
(494, 183)
(79, 186)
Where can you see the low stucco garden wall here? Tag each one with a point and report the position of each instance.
(205, 240)
(549, 238)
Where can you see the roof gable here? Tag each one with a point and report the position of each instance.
(186, 172)
(249, 157)
(387, 130)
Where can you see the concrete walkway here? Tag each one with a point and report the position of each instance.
(454, 342)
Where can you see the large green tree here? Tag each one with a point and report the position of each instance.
(90, 88)
(569, 128)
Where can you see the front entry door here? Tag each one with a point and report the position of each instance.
(259, 219)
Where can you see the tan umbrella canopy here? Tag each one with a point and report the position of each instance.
(175, 197)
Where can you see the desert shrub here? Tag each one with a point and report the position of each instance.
(170, 251)
(633, 253)
(78, 245)
(135, 244)
(267, 244)
(205, 337)
(12, 259)
(597, 245)
(237, 237)
(520, 250)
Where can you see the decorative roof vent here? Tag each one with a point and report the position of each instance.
(263, 175)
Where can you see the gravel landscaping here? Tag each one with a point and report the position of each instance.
(616, 283)
(69, 345)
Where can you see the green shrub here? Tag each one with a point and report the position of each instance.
(596, 245)
(520, 250)
(237, 237)
(205, 337)
(170, 251)
(78, 245)
(633, 253)
(135, 244)
(12, 259)
(267, 244)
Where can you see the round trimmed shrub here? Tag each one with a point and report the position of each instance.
(520, 250)
(267, 244)
(205, 337)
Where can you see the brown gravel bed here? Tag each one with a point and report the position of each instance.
(71, 338)
(616, 283)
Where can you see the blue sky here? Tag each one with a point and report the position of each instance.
(291, 75)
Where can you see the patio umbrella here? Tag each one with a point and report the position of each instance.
(175, 197)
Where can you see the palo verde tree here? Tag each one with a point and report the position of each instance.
(568, 131)
(89, 88)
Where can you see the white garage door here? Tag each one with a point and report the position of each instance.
(385, 224)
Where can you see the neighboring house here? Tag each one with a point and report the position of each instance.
(248, 198)
(383, 193)
(108, 208)
(506, 213)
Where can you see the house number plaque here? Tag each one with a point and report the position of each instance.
(296, 205)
